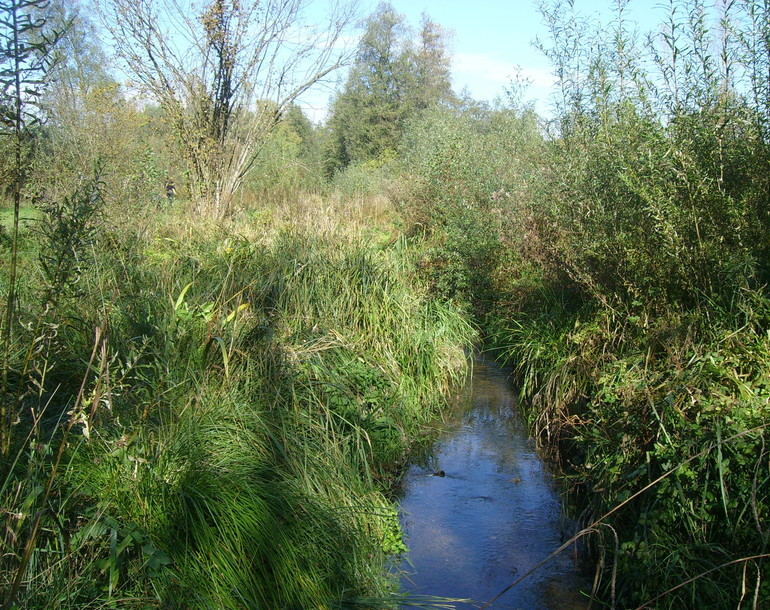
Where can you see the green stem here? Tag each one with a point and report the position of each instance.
(7, 415)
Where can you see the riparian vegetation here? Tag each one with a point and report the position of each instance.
(225, 328)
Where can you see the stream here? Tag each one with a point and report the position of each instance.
(494, 515)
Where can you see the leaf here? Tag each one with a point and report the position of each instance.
(180, 298)
(158, 559)
(225, 357)
(231, 316)
(30, 499)
(95, 529)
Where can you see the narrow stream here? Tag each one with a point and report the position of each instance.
(494, 515)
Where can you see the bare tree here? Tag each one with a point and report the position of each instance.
(225, 72)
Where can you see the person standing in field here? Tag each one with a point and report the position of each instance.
(170, 190)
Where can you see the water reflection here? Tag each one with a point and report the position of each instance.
(495, 514)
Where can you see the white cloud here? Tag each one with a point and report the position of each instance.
(477, 66)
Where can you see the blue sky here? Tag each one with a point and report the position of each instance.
(492, 37)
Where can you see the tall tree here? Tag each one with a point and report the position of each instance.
(368, 112)
(393, 77)
(433, 66)
(224, 74)
(82, 64)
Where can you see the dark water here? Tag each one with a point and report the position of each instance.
(495, 514)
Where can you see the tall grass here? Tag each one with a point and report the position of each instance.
(231, 440)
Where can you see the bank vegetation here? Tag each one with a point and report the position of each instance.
(210, 385)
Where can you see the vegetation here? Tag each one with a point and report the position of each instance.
(209, 392)
(195, 414)
(394, 78)
(226, 78)
(26, 57)
(621, 267)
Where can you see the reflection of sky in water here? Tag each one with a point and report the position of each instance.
(494, 516)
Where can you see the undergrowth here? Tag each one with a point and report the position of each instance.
(621, 404)
(214, 420)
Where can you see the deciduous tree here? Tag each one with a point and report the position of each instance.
(88, 118)
(224, 73)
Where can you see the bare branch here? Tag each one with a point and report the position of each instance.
(225, 72)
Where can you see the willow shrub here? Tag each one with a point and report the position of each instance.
(642, 345)
(239, 421)
(645, 214)
(465, 173)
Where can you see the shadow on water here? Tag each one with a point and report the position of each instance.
(494, 515)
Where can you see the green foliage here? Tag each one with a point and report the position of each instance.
(90, 121)
(621, 404)
(290, 163)
(97, 124)
(232, 438)
(657, 196)
(393, 543)
(359, 183)
(393, 79)
(463, 189)
(67, 229)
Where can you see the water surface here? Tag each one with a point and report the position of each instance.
(495, 514)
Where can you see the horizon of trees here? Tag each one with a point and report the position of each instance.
(169, 123)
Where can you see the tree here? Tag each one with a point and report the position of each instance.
(368, 113)
(224, 76)
(88, 120)
(392, 79)
(432, 66)
(25, 62)
(82, 64)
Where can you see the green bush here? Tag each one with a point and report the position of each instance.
(466, 175)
